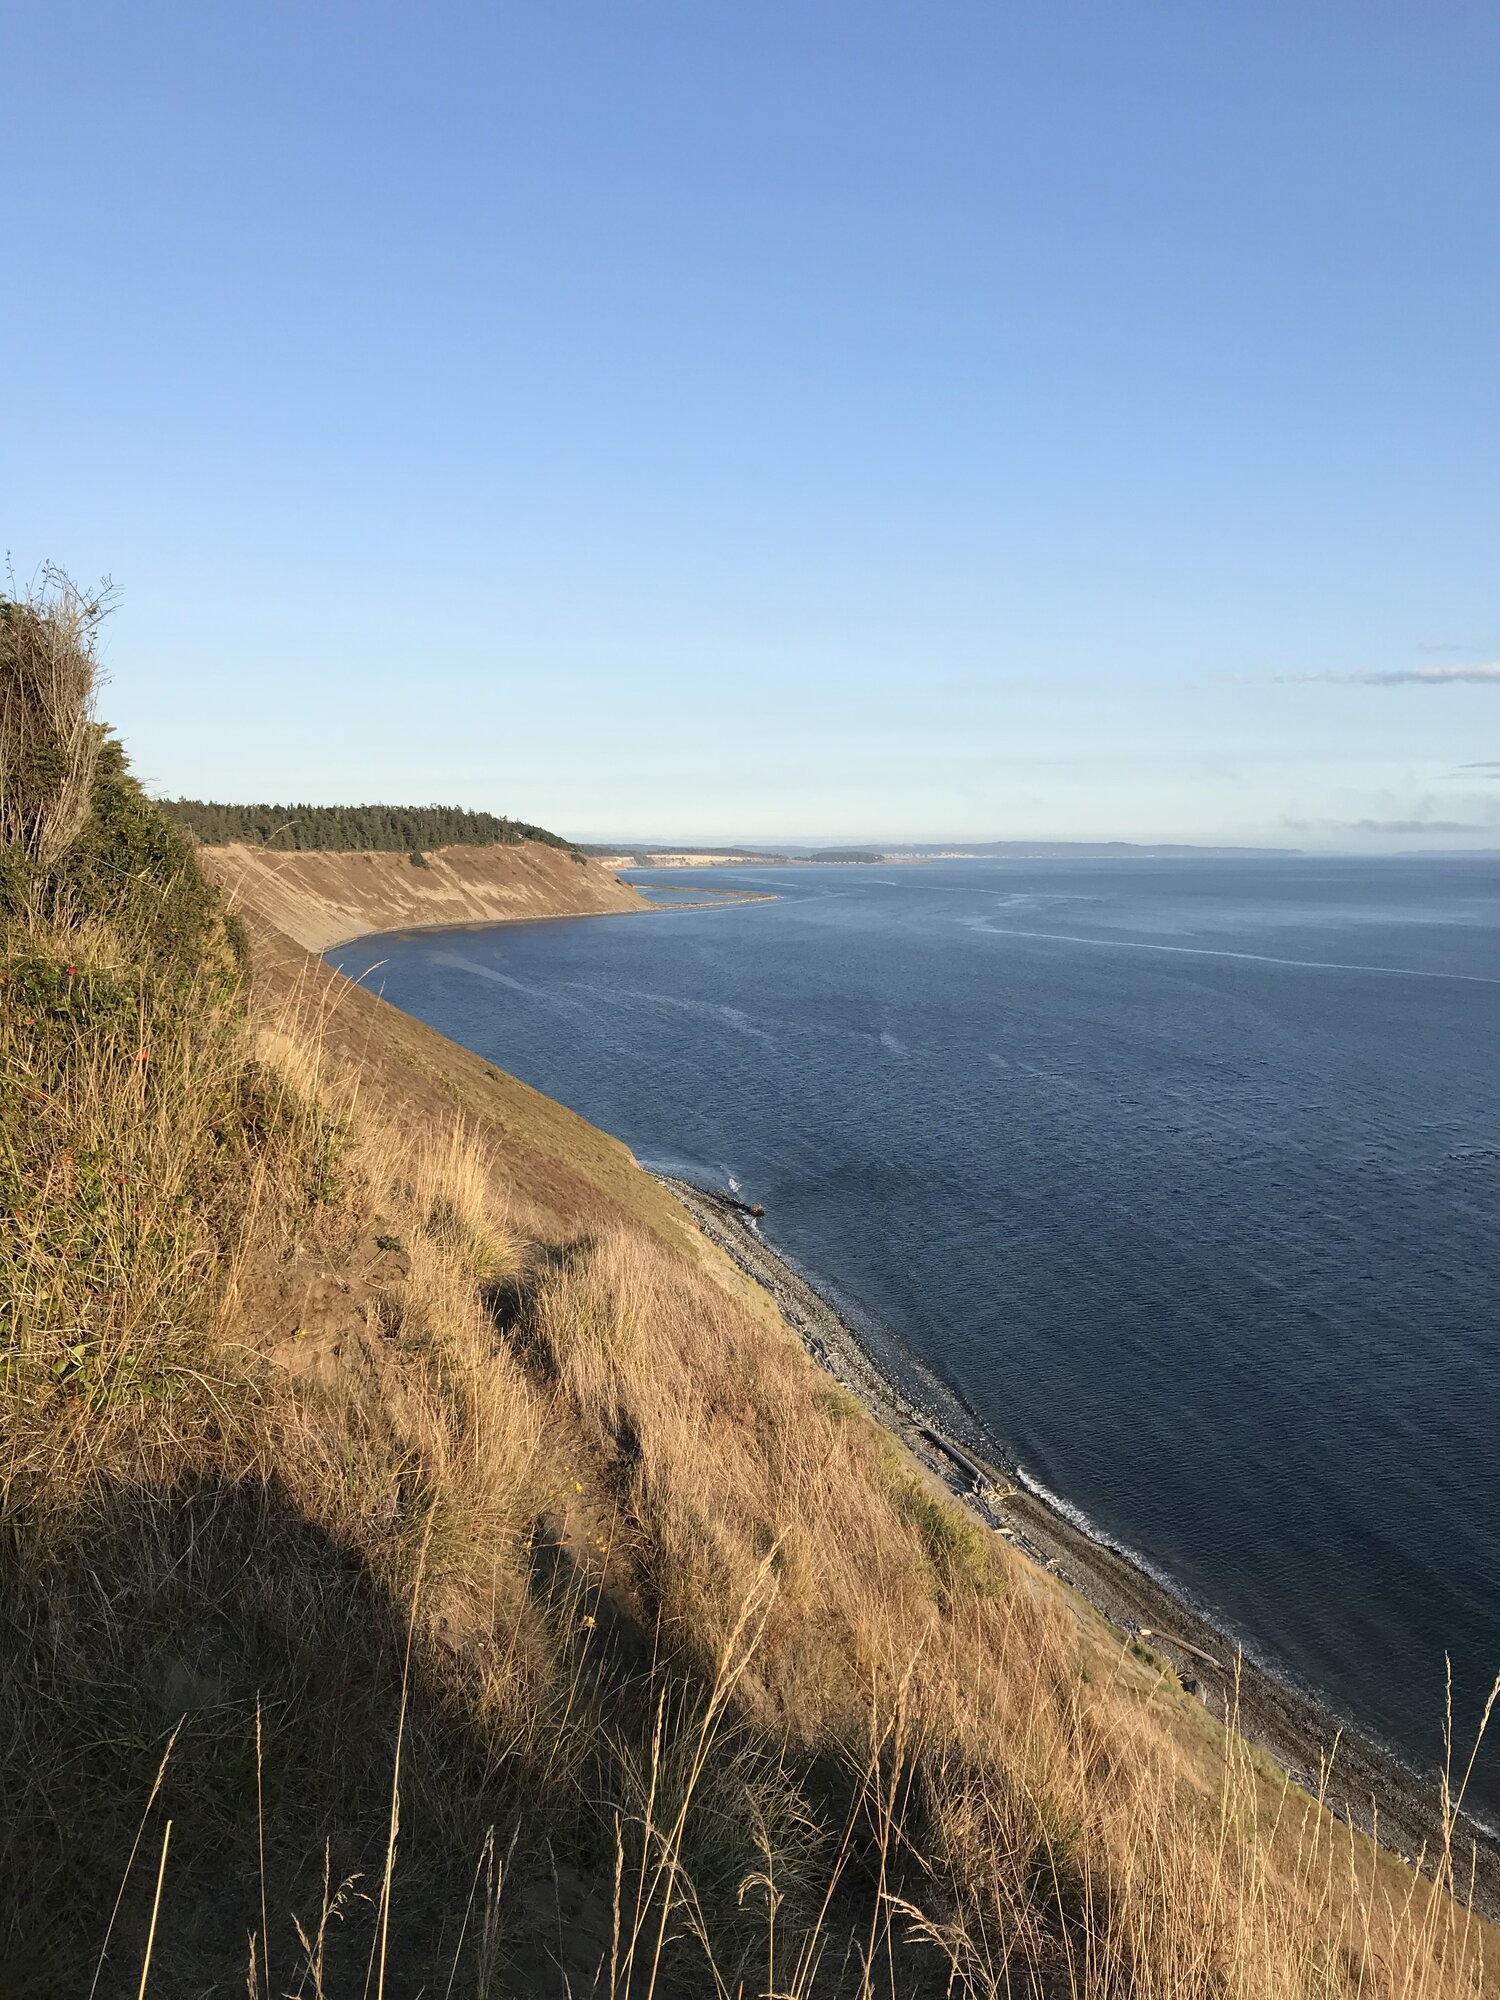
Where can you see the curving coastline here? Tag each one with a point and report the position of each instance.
(1361, 1782)
(322, 899)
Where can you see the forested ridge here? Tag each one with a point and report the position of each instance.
(346, 829)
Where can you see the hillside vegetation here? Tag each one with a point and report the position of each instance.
(348, 829)
(428, 1568)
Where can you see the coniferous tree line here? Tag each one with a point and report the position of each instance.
(344, 829)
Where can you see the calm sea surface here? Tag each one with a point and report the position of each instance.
(1179, 1178)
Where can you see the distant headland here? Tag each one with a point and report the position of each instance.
(687, 854)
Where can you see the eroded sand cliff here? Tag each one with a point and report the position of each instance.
(322, 899)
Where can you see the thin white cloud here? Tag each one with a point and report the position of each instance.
(1453, 813)
(1395, 827)
(1432, 676)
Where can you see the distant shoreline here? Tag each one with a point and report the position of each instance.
(618, 859)
(1369, 1787)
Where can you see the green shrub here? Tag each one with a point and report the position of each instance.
(953, 1543)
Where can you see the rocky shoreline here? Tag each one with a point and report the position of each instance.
(1362, 1784)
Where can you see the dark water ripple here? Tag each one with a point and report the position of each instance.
(1182, 1176)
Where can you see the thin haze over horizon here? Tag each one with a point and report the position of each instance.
(976, 423)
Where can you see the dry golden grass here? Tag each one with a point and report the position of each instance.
(495, 1609)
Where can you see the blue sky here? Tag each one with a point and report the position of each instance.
(805, 419)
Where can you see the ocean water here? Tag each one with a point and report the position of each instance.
(1176, 1182)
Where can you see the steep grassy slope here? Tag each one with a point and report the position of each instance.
(440, 1571)
(324, 899)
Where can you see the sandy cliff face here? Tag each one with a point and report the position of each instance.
(322, 900)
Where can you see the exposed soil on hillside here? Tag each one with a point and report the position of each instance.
(321, 900)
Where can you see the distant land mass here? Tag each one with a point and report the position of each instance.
(687, 854)
(1029, 849)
